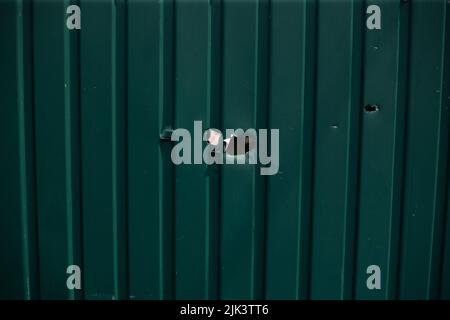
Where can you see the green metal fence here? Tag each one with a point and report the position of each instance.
(364, 132)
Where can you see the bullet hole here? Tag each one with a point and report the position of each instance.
(237, 145)
(213, 136)
(166, 134)
(371, 108)
(234, 145)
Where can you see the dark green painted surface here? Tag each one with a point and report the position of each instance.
(337, 107)
(86, 180)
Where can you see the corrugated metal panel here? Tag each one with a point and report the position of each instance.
(86, 180)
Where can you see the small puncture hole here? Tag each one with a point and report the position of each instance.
(371, 108)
